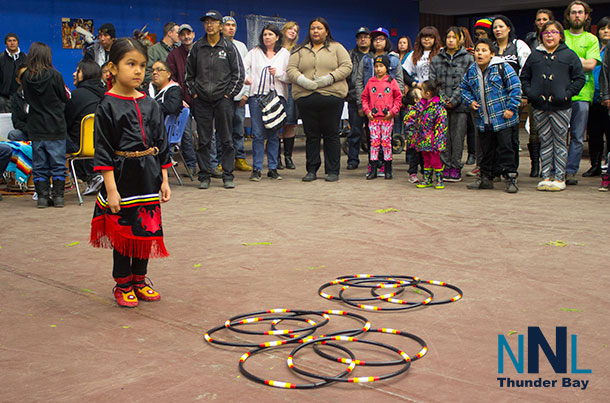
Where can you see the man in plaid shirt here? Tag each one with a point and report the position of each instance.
(493, 90)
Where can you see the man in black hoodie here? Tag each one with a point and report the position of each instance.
(84, 100)
(9, 60)
(214, 76)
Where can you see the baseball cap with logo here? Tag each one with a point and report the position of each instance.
(213, 14)
(185, 26)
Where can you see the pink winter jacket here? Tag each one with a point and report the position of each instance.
(381, 96)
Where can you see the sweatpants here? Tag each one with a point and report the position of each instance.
(381, 134)
(456, 131)
(498, 152)
(553, 132)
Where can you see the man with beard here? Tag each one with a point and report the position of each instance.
(577, 20)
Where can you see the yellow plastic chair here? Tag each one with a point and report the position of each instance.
(86, 151)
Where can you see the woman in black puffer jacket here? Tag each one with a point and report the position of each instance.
(551, 76)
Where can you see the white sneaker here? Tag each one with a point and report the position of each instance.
(94, 185)
(557, 186)
(413, 178)
(544, 184)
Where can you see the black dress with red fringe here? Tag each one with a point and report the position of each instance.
(130, 124)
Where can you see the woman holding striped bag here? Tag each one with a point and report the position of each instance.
(551, 76)
(266, 71)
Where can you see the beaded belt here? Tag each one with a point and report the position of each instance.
(137, 154)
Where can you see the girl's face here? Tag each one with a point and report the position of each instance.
(317, 32)
(541, 19)
(403, 45)
(129, 72)
(427, 42)
(427, 95)
(380, 70)
(291, 33)
(501, 30)
(105, 74)
(269, 38)
(452, 42)
(78, 76)
(379, 42)
(160, 75)
(551, 37)
(604, 33)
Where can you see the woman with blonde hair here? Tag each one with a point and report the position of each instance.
(290, 34)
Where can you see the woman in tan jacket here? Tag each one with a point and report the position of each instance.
(318, 69)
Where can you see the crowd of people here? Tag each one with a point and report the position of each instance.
(439, 91)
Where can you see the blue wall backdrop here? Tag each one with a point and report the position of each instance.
(40, 20)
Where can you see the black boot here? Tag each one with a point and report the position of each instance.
(58, 192)
(372, 174)
(388, 169)
(288, 147)
(596, 165)
(535, 157)
(42, 190)
(279, 156)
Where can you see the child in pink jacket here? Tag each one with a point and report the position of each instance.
(381, 100)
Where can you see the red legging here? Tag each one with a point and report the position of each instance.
(381, 133)
(432, 159)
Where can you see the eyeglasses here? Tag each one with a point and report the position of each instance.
(550, 33)
(158, 69)
(380, 39)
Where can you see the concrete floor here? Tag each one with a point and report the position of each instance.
(63, 338)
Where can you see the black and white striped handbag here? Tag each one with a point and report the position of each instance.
(274, 113)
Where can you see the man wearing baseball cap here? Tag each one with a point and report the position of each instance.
(176, 60)
(99, 50)
(214, 76)
(356, 115)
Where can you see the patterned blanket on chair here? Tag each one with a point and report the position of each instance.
(21, 161)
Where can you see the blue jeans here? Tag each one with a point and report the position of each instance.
(49, 160)
(238, 131)
(353, 139)
(17, 135)
(578, 124)
(260, 133)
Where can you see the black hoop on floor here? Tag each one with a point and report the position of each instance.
(411, 336)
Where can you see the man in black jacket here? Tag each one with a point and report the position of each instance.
(356, 116)
(9, 60)
(214, 75)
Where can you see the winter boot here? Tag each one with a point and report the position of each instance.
(279, 156)
(439, 179)
(596, 166)
(143, 290)
(388, 169)
(58, 192)
(427, 182)
(372, 173)
(123, 292)
(288, 147)
(42, 190)
(534, 149)
(511, 182)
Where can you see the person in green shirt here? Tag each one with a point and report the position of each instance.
(578, 19)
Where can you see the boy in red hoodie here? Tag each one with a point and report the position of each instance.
(381, 101)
